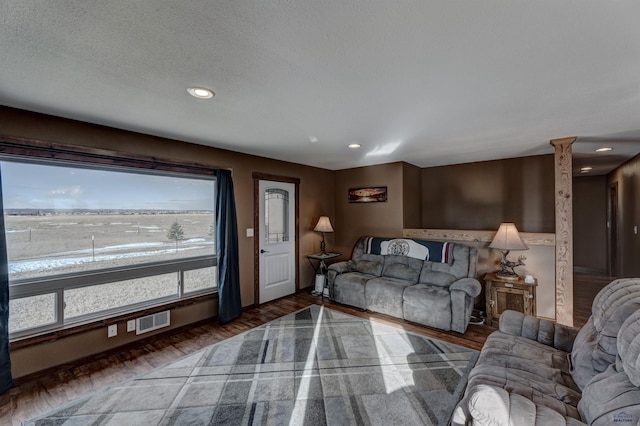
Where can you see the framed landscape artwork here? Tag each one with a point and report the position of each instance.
(375, 194)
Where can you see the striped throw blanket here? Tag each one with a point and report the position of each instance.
(433, 251)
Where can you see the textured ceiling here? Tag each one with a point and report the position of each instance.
(430, 82)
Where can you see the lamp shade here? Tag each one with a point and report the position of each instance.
(507, 238)
(324, 225)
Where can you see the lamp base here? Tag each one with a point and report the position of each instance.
(507, 275)
(507, 268)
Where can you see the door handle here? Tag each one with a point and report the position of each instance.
(264, 251)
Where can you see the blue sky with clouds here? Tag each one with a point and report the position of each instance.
(38, 186)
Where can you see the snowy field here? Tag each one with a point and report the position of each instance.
(52, 245)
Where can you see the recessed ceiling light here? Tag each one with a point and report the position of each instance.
(313, 139)
(200, 92)
(604, 149)
(354, 145)
(586, 169)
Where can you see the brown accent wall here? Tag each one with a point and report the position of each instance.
(412, 196)
(316, 199)
(354, 220)
(484, 194)
(628, 178)
(479, 196)
(590, 224)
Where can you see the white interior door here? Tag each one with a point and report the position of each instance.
(277, 239)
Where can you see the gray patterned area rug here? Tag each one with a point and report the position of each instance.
(315, 367)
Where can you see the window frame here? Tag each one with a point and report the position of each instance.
(38, 152)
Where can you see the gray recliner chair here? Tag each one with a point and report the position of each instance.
(535, 372)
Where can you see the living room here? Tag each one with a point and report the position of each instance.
(350, 221)
(453, 194)
(528, 180)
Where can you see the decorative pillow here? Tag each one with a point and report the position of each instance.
(402, 267)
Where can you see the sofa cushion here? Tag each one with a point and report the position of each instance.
(384, 295)
(370, 264)
(444, 274)
(349, 289)
(492, 406)
(552, 334)
(610, 399)
(613, 397)
(528, 368)
(402, 267)
(595, 347)
(428, 305)
(629, 348)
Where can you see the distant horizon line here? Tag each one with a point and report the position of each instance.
(35, 211)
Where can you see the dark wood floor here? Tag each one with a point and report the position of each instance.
(585, 288)
(53, 389)
(41, 394)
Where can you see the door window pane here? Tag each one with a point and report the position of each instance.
(276, 212)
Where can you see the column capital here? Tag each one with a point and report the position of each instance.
(563, 141)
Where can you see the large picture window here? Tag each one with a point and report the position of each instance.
(87, 241)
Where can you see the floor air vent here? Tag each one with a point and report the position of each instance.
(152, 322)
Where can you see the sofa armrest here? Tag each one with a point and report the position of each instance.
(342, 267)
(551, 334)
(338, 268)
(491, 405)
(463, 293)
(471, 286)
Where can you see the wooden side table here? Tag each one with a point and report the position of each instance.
(504, 294)
(321, 267)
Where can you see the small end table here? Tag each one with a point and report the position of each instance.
(503, 294)
(320, 267)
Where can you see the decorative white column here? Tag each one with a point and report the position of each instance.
(564, 229)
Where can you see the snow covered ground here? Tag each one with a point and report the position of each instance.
(52, 245)
(107, 254)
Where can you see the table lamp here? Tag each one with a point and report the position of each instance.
(507, 239)
(324, 225)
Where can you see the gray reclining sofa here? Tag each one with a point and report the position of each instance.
(428, 282)
(535, 372)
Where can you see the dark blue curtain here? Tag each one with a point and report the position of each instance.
(6, 381)
(229, 303)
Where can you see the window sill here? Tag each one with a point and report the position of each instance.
(50, 336)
